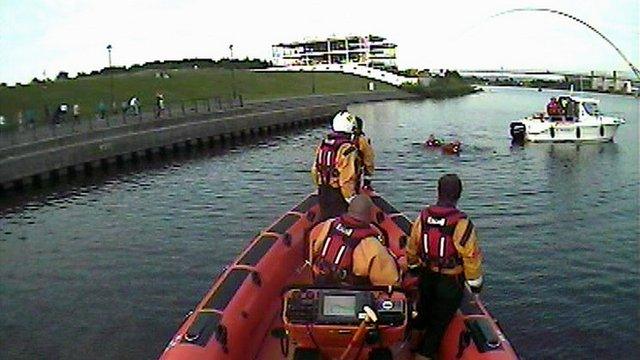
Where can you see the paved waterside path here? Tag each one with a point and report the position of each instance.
(72, 151)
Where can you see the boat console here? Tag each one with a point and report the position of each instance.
(319, 317)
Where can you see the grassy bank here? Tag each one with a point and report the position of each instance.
(451, 85)
(182, 85)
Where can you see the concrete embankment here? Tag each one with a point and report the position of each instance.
(39, 161)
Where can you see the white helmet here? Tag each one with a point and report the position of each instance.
(344, 122)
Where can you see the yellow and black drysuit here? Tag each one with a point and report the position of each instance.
(443, 249)
(335, 173)
(345, 250)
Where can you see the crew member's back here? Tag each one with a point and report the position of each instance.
(334, 169)
(443, 250)
(349, 250)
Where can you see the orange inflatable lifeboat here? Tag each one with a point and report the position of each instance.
(265, 306)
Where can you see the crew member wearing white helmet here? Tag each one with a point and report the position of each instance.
(335, 169)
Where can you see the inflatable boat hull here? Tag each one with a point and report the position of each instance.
(239, 315)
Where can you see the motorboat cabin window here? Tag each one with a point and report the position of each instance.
(572, 110)
(591, 108)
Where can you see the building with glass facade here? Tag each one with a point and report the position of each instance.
(370, 50)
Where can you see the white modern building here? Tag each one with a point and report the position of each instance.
(370, 50)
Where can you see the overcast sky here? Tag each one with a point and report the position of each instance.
(72, 35)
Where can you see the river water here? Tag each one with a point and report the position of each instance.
(107, 268)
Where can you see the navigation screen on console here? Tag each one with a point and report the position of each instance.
(339, 305)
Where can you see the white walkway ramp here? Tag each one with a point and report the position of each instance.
(364, 71)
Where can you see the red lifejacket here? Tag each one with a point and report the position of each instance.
(334, 263)
(326, 158)
(553, 108)
(438, 226)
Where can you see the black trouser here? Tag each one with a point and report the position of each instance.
(440, 297)
(332, 203)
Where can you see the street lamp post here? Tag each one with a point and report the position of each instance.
(313, 82)
(109, 47)
(233, 72)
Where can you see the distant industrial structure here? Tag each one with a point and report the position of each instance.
(610, 84)
(599, 82)
(602, 83)
(370, 50)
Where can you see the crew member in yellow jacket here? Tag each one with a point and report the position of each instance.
(335, 168)
(443, 250)
(349, 250)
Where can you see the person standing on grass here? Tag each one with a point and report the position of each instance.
(134, 104)
(124, 106)
(159, 104)
(76, 112)
(30, 117)
(102, 110)
(3, 123)
(61, 111)
(20, 120)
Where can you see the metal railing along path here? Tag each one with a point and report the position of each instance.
(25, 139)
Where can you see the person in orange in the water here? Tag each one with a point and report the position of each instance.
(452, 148)
(432, 141)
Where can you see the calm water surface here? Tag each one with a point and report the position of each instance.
(107, 270)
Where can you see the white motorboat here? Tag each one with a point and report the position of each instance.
(571, 119)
